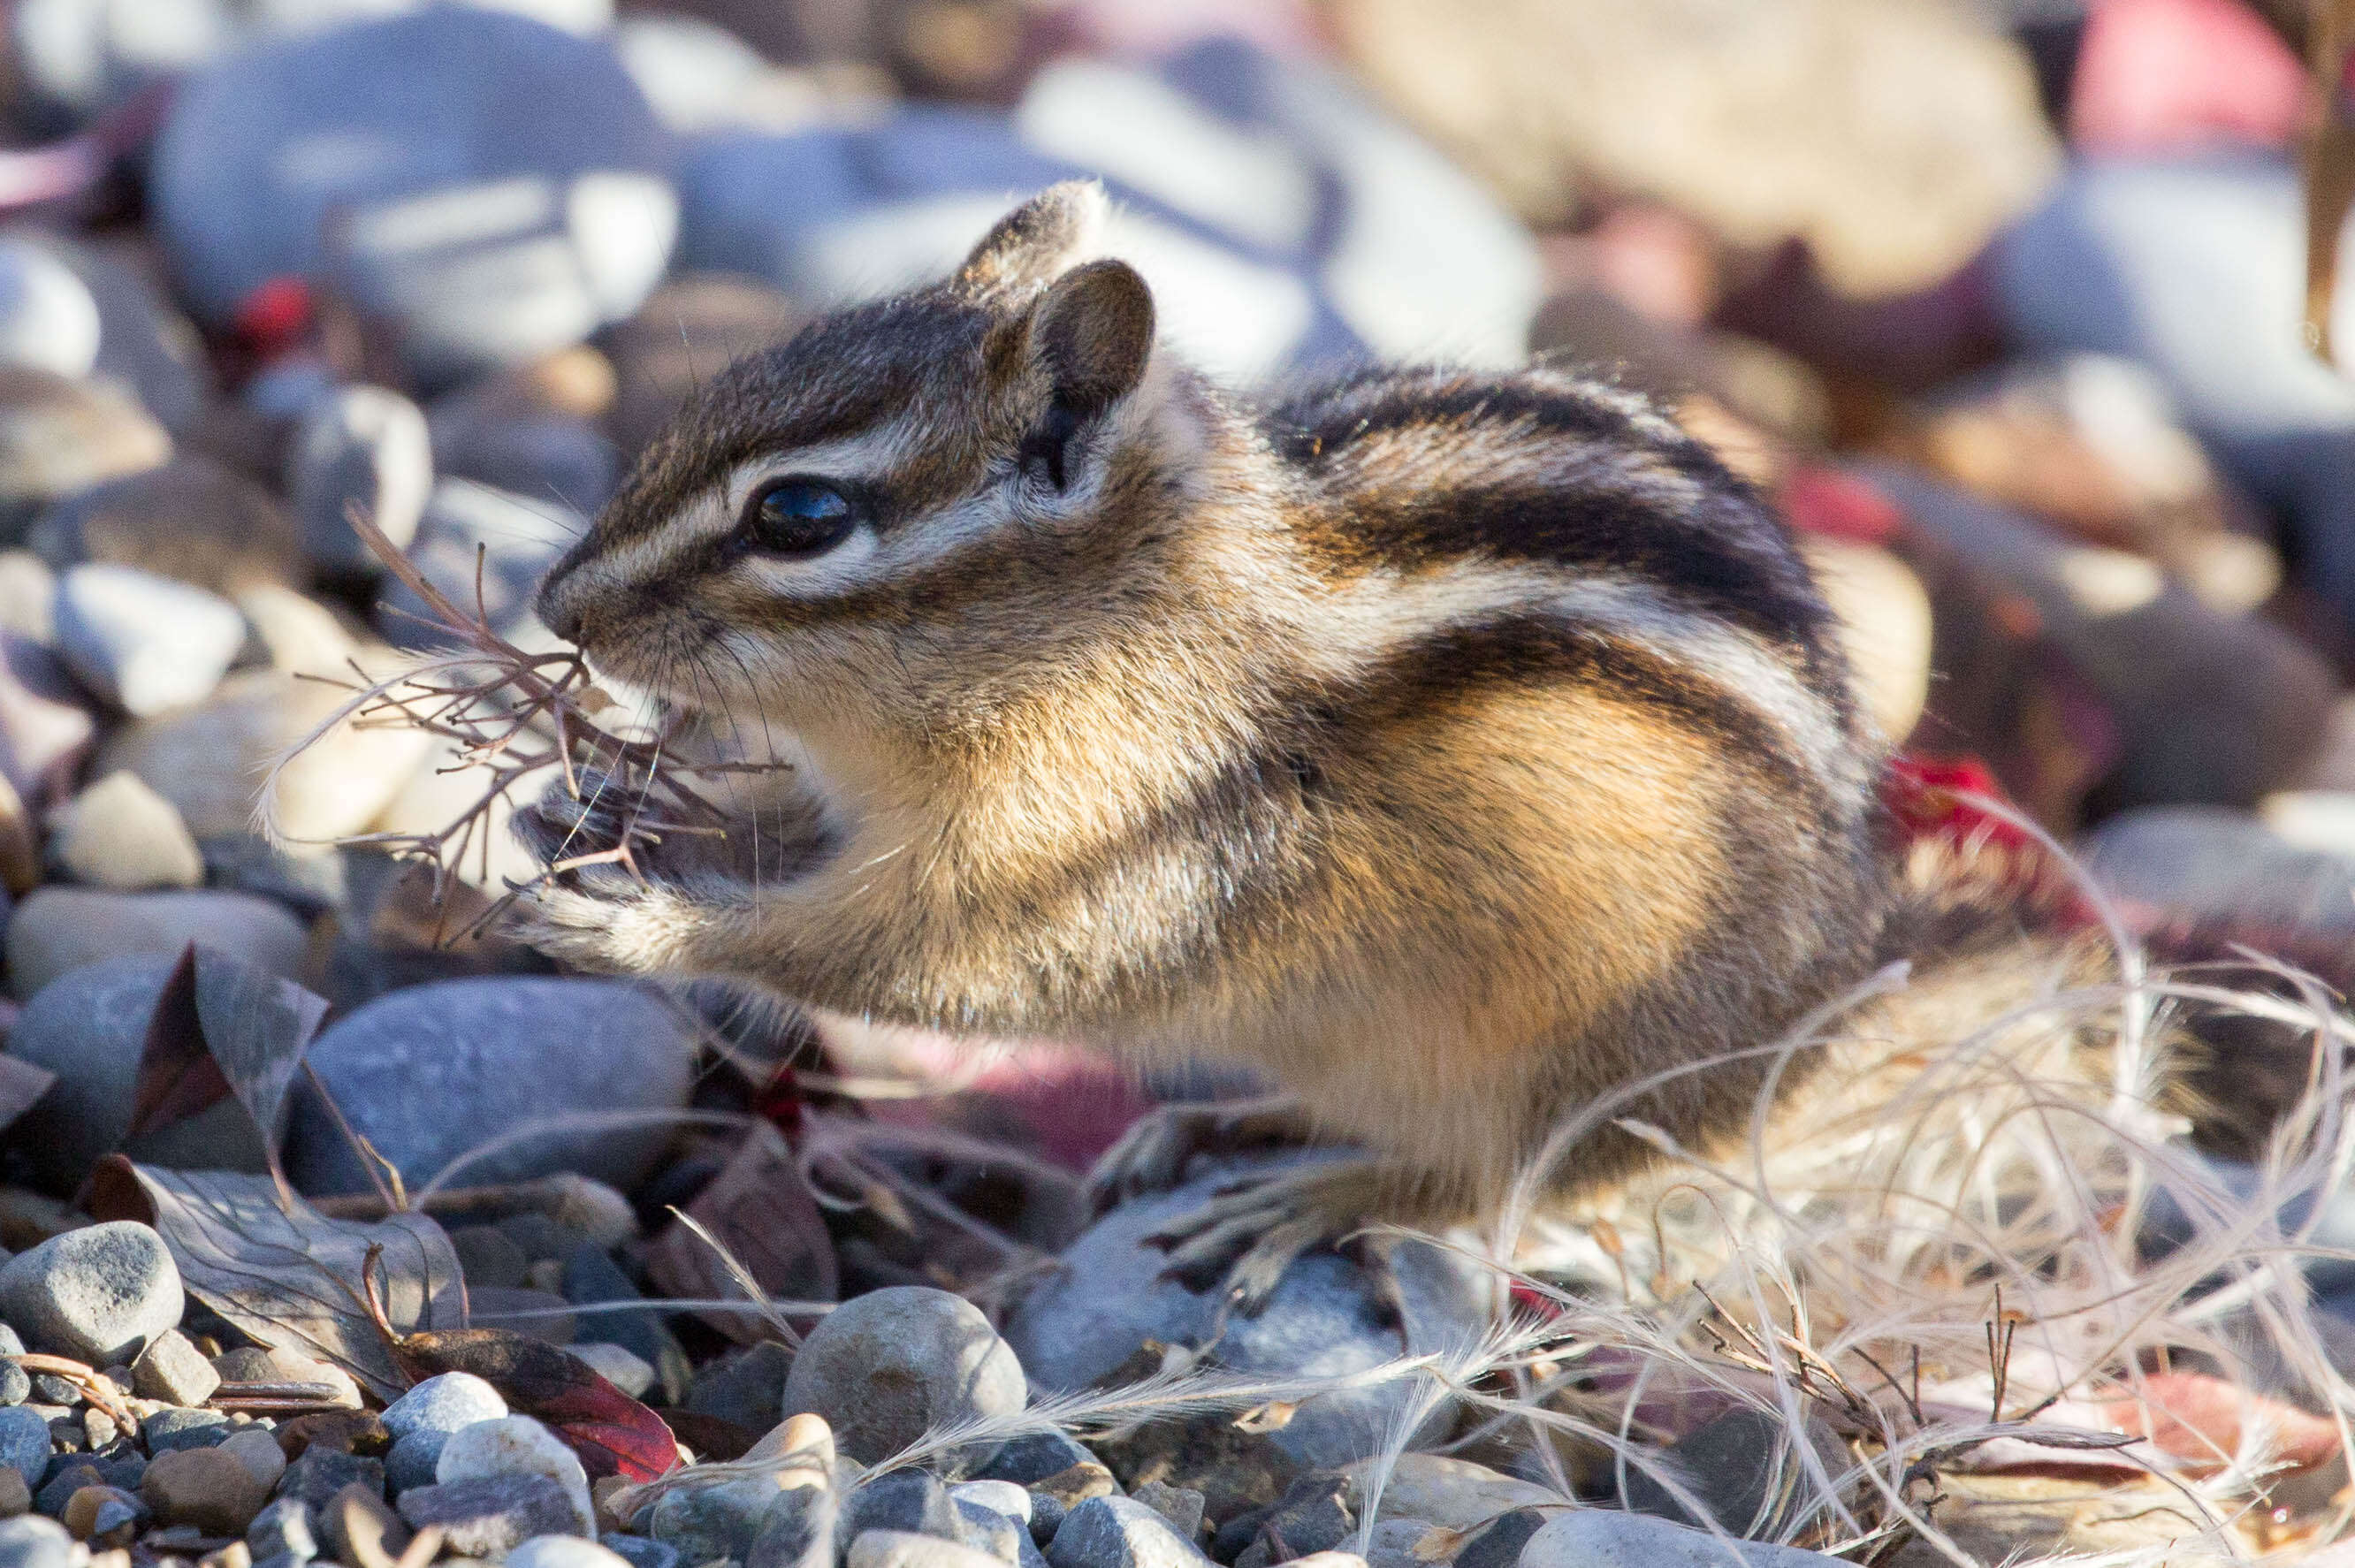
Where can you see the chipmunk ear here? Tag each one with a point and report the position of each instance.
(1038, 242)
(1092, 334)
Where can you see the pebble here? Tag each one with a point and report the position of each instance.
(1032, 1457)
(46, 723)
(999, 1497)
(193, 520)
(518, 200)
(726, 1519)
(321, 1473)
(796, 1531)
(911, 1501)
(47, 319)
(640, 1552)
(617, 1366)
(1606, 1538)
(207, 1487)
(886, 1367)
(1115, 1532)
(31, 1542)
(444, 1403)
(15, 1497)
(490, 1516)
(365, 447)
(168, 1430)
(592, 1277)
(89, 1026)
(1006, 1540)
(58, 436)
(282, 1528)
(120, 834)
(1181, 1506)
(257, 1449)
(489, 1256)
(95, 1513)
(429, 1073)
(1455, 1493)
(899, 1548)
(360, 1527)
(1499, 1544)
(174, 1371)
(25, 1446)
(414, 1461)
(1730, 1465)
(518, 1445)
(1316, 1513)
(16, 1384)
(99, 1293)
(564, 1552)
(746, 1387)
(1083, 1320)
(142, 642)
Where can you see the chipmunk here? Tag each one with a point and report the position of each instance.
(1453, 748)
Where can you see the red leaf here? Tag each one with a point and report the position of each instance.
(613, 1433)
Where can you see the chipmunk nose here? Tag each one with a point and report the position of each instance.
(559, 612)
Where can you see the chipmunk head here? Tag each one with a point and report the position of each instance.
(886, 491)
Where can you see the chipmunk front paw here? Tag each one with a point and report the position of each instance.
(594, 908)
(1254, 1230)
(1152, 1155)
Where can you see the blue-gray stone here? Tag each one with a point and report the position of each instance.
(796, 1531)
(1033, 1457)
(25, 1445)
(1606, 1538)
(1324, 1320)
(1119, 1532)
(444, 1404)
(170, 1429)
(495, 187)
(912, 1503)
(282, 1529)
(413, 1459)
(144, 642)
(886, 1366)
(992, 1531)
(97, 1295)
(432, 1073)
(30, 1540)
(642, 1553)
(16, 1386)
(564, 1551)
(591, 1278)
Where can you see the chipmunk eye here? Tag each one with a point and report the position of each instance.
(799, 517)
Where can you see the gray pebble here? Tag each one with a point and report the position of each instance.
(564, 1551)
(911, 1501)
(98, 1295)
(1115, 1532)
(1181, 1506)
(899, 1548)
(32, 1542)
(1606, 1538)
(592, 1278)
(490, 1516)
(796, 1531)
(720, 1521)
(414, 1460)
(1499, 1543)
(886, 1367)
(143, 642)
(50, 1389)
(174, 1371)
(170, 1429)
(1047, 1515)
(1033, 1457)
(282, 1529)
(16, 1386)
(47, 319)
(747, 1387)
(321, 1473)
(364, 446)
(640, 1552)
(994, 1532)
(62, 929)
(999, 1496)
(617, 1366)
(25, 1445)
(444, 1404)
(490, 1257)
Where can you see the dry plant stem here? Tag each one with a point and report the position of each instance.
(97, 1389)
(512, 715)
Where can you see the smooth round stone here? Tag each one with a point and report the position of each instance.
(903, 1549)
(414, 1460)
(83, 55)
(509, 197)
(359, 447)
(429, 1073)
(144, 341)
(1323, 1318)
(25, 1443)
(47, 319)
(999, 1497)
(1606, 1538)
(886, 1367)
(58, 436)
(1117, 1532)
(60, 929)
(46, 720)
(192, 520)
(624, 1369)
(89, 1028)
(518, 1446)
(30, 1540)
(121, 834)
(564, 1552)
(444, 1404)
(142, 642)
(98, 1295)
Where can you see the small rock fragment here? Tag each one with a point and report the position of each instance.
(168, 1430)
(15, 1495)
(886, 1367)
(1498, 1545)
(1033, 1457)
(518, 1445)
(640, 1552)
(25, 1446)
(489, 1516)
(142, 642)
(1077, 1485)
(283, 1529)
(120, 834)
(746, 1387)
(364, 446)
(1181, 1506)
(1116, 1533)
(173, 1370)
(103, 1516)
(445, 1404)
(900, 1549)
(98, 1295)
(617, 1366)
(32, 1542)
(207, 1487)
(999, 1497)
(1607, 1537)
(564, 1552)
(321, 1473)
(414, 1461)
